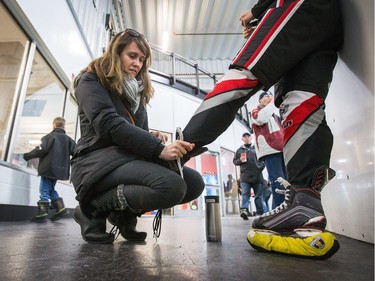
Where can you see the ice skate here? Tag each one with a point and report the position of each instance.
(301, 211)
(296, 227)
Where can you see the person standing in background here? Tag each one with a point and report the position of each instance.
(250, 176)
(228, 187)
(268, 133)
(54, 164)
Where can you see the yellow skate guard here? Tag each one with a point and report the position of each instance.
(320, 246)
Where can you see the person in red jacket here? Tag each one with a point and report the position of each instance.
(269, 143)
(54, 164)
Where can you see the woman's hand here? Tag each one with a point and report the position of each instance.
(160, 136)
(246, 17)
(247, 31)
(176, 150)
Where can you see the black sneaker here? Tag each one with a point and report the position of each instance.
(244, 214)
(302, 209)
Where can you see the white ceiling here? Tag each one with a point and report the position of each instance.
(197, 29)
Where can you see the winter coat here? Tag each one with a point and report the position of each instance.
(228, 186)
(251, 170)
(54, 155)
(111, 135)
(267, 130)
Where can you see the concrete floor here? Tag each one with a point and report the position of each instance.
(56, 251)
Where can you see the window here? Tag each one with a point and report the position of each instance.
(231, 174)
(71, 117)
(33, 108)
(12, 48)
(44, 101)
(27, 111)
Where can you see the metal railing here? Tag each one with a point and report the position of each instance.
(181, 73)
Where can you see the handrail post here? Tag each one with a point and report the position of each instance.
(247, 115)
(173, 69)
(197, 77)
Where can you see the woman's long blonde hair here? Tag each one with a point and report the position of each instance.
(109, 70)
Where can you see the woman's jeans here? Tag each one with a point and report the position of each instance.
(258, 190)
(47, 189)
(150, 186)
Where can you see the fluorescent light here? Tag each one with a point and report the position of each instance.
(34, 142)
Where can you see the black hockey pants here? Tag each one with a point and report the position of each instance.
(296, 45)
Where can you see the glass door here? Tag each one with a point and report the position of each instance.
(193, 208)
(209, 172)
(207, 165)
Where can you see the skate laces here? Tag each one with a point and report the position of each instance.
(179, 136)
(115, 230)
(156, 224)
(283, 182)
(286, 203)
(280, 191)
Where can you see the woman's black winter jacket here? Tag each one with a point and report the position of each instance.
(111, 135)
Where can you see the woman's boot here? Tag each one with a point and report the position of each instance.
(126, 223)
(93, 229)
(111, 200)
